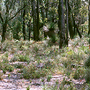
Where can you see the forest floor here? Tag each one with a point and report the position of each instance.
(54, 69)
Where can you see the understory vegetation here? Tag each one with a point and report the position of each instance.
(39, 59)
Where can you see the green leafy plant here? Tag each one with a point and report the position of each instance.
(49, 78)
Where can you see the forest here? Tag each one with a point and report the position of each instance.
(44, 44)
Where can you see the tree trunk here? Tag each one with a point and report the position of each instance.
(37, 21)
(29, 30)
(43, 15)
(24, 34)
(70, 23)
(61, 24)
(67, 28)
(46, 8)
(4, 28)
(34, 20)
(89, 19)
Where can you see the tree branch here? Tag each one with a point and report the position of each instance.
(16, 13)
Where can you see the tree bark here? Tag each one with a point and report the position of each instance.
(70, 23)
(89, 19)
(37, 37)
(4, 27)
(24, 34)
(61, 24)
(67, 28)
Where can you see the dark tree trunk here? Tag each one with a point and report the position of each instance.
(78, 32)
(89, 19)
(61, 24)
(37, 20)
(67, 28)
(46, 8)
(24, 34)
(34, 20)
(4, 27)
(70, 23)
(29, 29)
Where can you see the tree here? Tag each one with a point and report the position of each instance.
(89, 18)
(23, 16)
(35, 21)
(10, 12)
(61, 24)
(67, 27)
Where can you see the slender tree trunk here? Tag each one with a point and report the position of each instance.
(29, 29)
(67, 28)
(70, 23)
(89, 19)
(34, 20)
(4, 27)
(43, 15)
(61, 24)
(46, 8)
(37, 20)
(78, 32)
(24, 34)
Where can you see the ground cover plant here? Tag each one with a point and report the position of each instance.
(39, 60)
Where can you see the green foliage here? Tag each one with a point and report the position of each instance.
(87, 76)
(16, 29)
(23, 58)
(49, 78)
(8, 67)
(89, 41)
(79, 73)
(87, 62)
(19, 66)
(51, 26)
(28, 88)
(32, 71)
(15, 58)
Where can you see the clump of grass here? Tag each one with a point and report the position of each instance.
(79, 73)
(23, 58)
(36, 48)
(19, 66)
(32, 71)
(5, 59)
(64, 85)
(8, 67)
(15, 58)
(49, 78)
